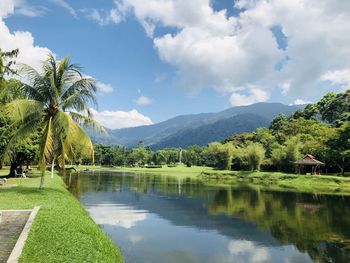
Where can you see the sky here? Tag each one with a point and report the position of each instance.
(157, 59)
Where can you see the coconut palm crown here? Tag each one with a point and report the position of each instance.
(57, 103)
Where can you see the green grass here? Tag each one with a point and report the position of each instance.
(179, 171)
(324, 184)
(62, 231)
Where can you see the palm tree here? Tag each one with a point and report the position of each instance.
(57, 103)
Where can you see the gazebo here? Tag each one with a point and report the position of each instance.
(310, 161)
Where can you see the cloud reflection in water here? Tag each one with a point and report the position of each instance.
(116, 215)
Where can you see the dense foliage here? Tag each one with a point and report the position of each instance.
(321, 129)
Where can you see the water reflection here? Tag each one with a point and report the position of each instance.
(116, 215)
(155, 217)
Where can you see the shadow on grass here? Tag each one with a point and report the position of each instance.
(25, 190)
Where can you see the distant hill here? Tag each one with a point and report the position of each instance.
(216, 131)
(198, 129)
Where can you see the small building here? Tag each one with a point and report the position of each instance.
(309, 164)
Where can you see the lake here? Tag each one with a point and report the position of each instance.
(155, 218)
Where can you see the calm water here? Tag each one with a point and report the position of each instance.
(169, 220)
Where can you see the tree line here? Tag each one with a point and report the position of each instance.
(321, 129)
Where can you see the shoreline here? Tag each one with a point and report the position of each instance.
(63, 231)
(267, 181)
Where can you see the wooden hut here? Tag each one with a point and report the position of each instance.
(310, 163)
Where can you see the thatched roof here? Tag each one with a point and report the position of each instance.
(308, 159)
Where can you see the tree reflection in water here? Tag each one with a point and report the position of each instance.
(316, 224)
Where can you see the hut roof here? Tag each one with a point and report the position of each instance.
(308, 159)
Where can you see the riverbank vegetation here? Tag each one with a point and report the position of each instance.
(62, 231)
(266, 181)
(321, 129)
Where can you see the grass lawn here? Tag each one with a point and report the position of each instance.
(179, 171)
(62, 231)
(324, 184)
(274, 181)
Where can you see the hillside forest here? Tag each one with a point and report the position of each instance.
(321, 129)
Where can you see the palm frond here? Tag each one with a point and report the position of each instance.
(27, 128)
(32, 93)
(70, 135)
(86, 86)
(19, 110)
(87, 121)
(79, 101)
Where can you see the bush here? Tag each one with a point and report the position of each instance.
(153, 166)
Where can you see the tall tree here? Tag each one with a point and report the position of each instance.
(255, 155)
(339, 148)
(57, 102)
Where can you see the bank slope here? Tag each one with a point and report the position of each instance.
(63, 231)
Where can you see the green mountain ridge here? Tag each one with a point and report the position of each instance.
(198, 129)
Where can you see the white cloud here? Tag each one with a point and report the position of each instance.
(338, 77)
(301, 102)
(103, 17)
(29, 52)
(143, 100)
(211, 49)
(104, 88)
(255, 95)
(116, 215)
(244, 249)
(19, 7)
(66, 6)
(135, 238)
(6, 7)
(121, 119)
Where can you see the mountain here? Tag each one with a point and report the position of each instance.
(216, 131)
(197, 128)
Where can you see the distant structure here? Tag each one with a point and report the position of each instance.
(180, 156)
(309, 164)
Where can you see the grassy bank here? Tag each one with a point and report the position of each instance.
(274, 181)
(62, 231)
(180, 170)
(324, 184)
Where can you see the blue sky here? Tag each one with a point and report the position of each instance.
(167, 58)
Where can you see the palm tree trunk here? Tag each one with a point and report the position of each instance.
(52, 168)
(42, 178)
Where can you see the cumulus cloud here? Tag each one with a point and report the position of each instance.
(29, 52)
(338, 77)
(143, 100)
(301, 102)
(209, 48)
(66, 6)
(121, 119)
(104, 88)
(255, 95)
